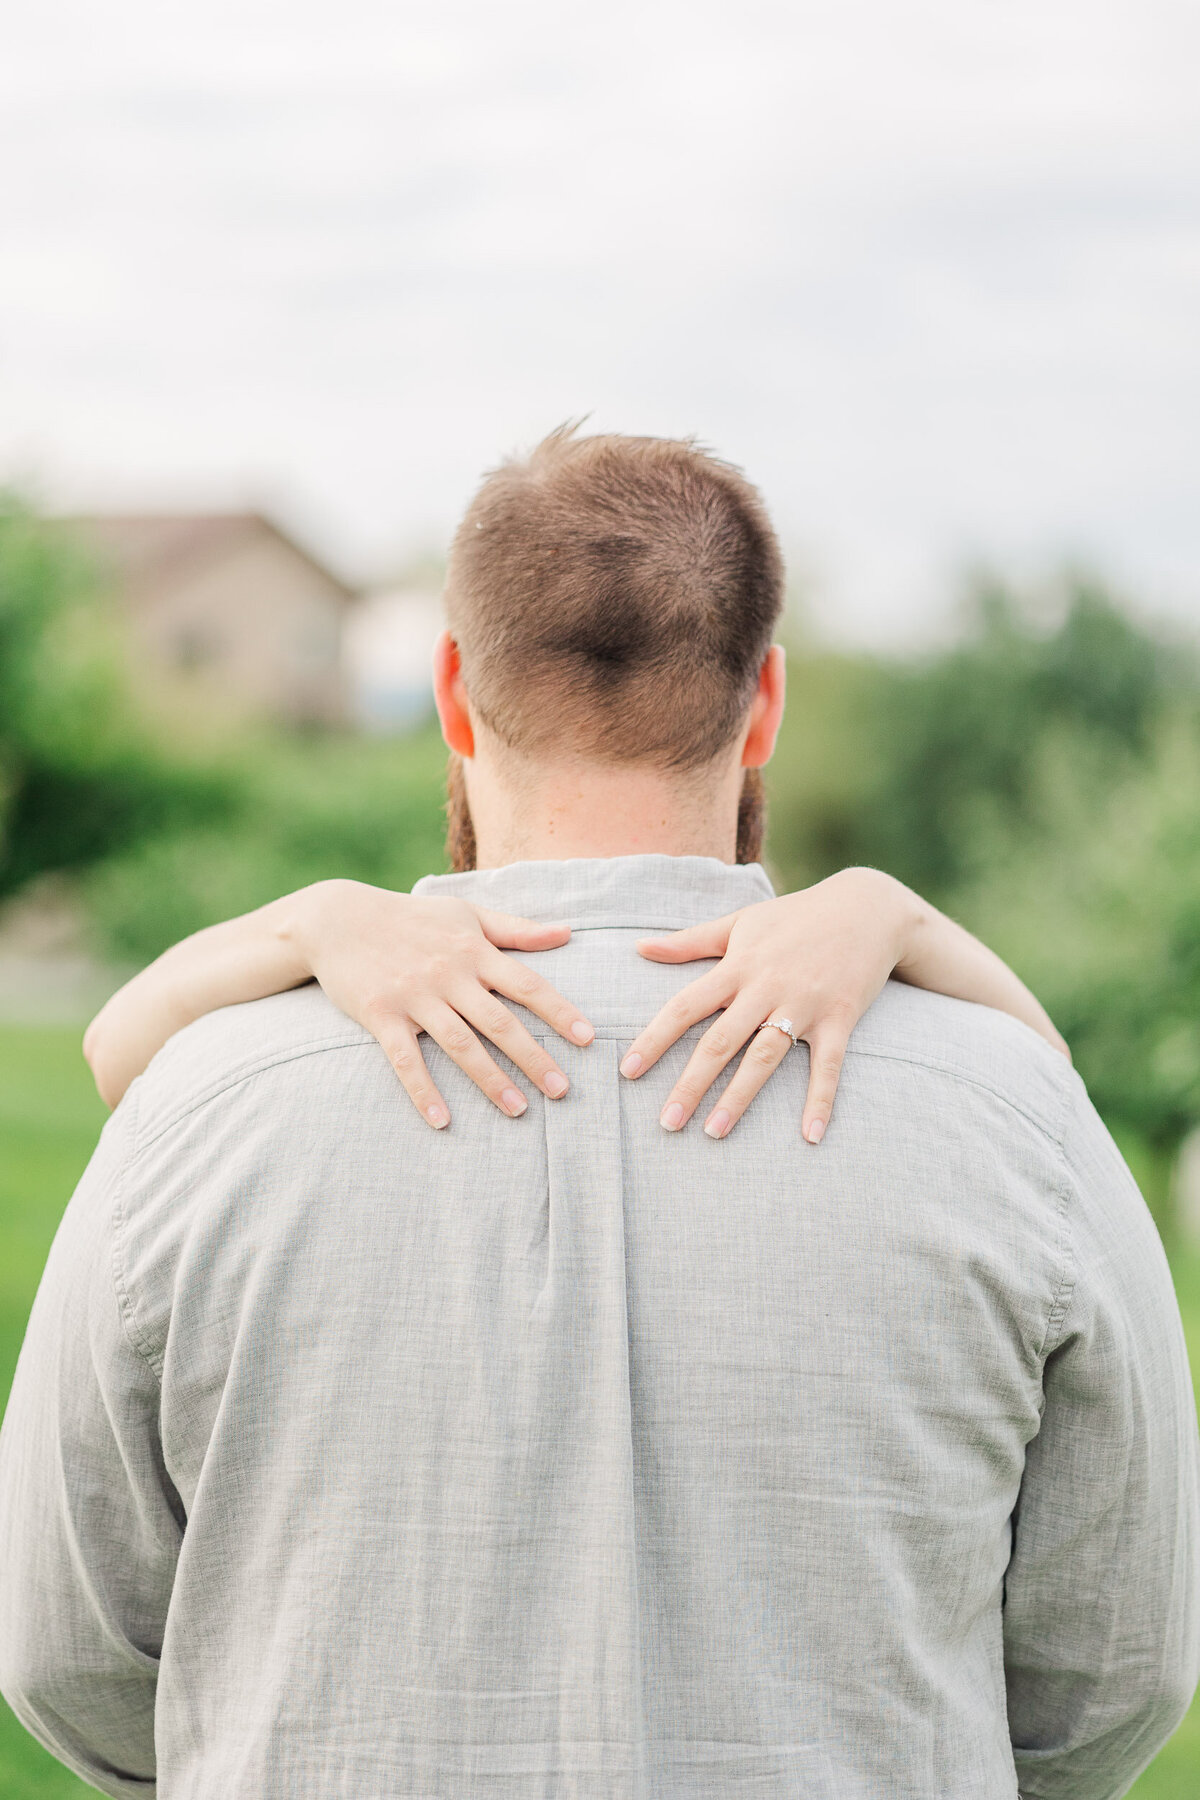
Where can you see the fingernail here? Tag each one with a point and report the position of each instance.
(717, 1124)
(437, 1115)
(555, 1084)
(816, 1131)
(672, 1117)
(582, 1032)
(632, 1064)
(514, 1102)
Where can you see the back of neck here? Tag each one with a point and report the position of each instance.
(614, 810)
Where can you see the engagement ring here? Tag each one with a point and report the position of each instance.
(784, 1025)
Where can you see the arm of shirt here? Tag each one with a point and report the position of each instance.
(1102, 1613)
(90, 1527)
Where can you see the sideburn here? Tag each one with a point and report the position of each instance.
(461, 851)
(752, 817)
(462, 854)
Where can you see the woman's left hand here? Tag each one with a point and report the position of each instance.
(818, 958)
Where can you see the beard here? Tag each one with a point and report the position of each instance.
(462, 852)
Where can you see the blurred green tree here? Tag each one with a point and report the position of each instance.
(966, 727)
(79, 774)
(1039, 780)
(366, 808)
(1095, 899)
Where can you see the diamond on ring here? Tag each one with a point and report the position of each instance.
(784, 1025)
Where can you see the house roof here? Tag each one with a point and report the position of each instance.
(146, 548)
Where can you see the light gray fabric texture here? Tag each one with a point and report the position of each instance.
(566, 1459)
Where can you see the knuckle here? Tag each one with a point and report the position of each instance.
(763, 1052)
(827, 1063)
(457, 1040)
(527, 986)
(404, 1058)
(497, 1021)
(718, 1042)
(441, 966)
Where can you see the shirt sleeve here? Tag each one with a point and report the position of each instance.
(90, 1526)
(1102, 1613)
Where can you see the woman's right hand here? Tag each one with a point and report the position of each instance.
(397, 964)
(402, 965)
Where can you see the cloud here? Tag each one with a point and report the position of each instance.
(931, 273)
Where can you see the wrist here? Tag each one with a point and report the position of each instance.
(903, 915)
(914, 920)
(298, 922)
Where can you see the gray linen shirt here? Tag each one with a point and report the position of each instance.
(565, 1457)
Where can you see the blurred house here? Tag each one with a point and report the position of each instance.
(389, 656)
(229, 618)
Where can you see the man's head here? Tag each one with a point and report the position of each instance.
(610, 603)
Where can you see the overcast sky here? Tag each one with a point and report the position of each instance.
(930, 271)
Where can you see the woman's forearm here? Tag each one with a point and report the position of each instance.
(394, 963)
(241, 959)
(944, 957)
(397, 964)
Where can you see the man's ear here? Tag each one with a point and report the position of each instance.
(766, 710)
(450, 697)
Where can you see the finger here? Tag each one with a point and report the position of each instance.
(511, 978)
(399, 1043)
(509, 932)
(492, 1019)
(719, 1045)
(698, 1000)
(689, 945)
(767, 1050)
(451, 1031)
(827, 1050)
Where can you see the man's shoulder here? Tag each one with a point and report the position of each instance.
(964, 1043)
(226, 1048)
(952, 1040)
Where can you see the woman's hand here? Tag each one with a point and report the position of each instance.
(398, 965)
(818, 958)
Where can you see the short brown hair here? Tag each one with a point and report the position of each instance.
(615, 596)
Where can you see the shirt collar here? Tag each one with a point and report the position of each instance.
(653, 893)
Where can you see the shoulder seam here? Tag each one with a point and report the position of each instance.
(940, 1067)
(1065, 1290)
(347, 1041)
(235, 1077)
(138, 1342)
(544, 1034)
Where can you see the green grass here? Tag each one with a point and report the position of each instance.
(49, 1119)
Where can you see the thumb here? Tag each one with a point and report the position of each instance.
(509, 932)
(690, 944)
